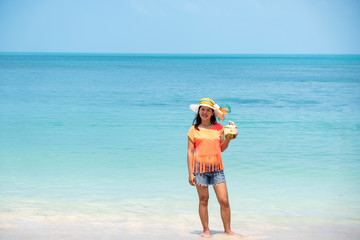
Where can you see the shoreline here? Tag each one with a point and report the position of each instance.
(35, 224)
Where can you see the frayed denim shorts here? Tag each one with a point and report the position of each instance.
(210, 178)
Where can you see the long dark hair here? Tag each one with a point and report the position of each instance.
(197, 119)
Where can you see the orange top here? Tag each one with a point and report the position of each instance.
(207, 148)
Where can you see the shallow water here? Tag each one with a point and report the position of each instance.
(98, 143)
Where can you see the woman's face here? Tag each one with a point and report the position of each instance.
(205, 113)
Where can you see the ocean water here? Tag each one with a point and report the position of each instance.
(93, 146)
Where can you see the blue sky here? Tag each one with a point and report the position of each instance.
(180, 26)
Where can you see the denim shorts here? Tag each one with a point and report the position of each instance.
(210, 178)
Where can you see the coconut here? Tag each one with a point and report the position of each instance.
(230, 130)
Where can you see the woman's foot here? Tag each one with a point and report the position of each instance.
(206, 234)
(231, 233)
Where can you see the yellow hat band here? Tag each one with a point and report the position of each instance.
(207, 101)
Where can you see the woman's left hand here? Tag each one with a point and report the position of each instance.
(231, 137)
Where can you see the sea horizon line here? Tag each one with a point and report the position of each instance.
(224, 55)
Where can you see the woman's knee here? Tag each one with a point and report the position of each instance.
(224, 202)
(204, 199)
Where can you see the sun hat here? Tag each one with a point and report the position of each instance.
(220, 111)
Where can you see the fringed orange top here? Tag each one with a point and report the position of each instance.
(207, 148)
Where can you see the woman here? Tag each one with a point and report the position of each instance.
(207, 141)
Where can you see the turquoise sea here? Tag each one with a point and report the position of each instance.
(93, 146)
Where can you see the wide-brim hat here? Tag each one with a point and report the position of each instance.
(207, 102)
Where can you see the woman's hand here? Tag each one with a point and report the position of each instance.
(192, 180)
(231, 137)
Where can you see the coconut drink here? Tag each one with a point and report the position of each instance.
(230, 130)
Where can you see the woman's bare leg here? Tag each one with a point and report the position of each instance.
(223, 199)
(203, 192)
